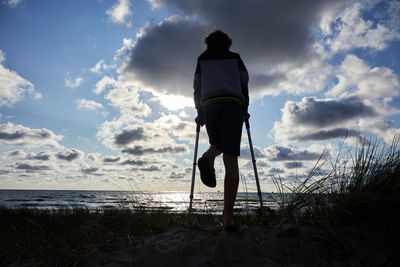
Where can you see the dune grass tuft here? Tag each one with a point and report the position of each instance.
(65, 236)
(363, 186)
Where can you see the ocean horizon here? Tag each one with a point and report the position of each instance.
(173, 201)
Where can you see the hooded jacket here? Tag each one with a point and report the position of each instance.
(220, 76)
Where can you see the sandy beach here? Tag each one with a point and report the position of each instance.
(279, 245)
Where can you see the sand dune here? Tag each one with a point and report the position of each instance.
(280, 245)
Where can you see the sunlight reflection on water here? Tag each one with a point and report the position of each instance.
(171, 201)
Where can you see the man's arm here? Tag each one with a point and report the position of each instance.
(244, 81)
(197, 94)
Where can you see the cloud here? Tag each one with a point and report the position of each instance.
(321, 119)
(276, 170)
(43, 156)
(163, 57)
(349, 30)
(84, 104)
(134, 162)
(120, 11)
(93, 156)
(292, 153)
(174, 102)
(12, 3)
(128, 135)
(90, 170)
(361, 92)
(159, 137)
(150, 169)
(282, 50)
(293, 165)
(103, 84)
(101, 66)
(183, 115)
(18, 135)
(13, 87)
(174, 175)
(280, 30)
(111, 159)
(173, 149)
(328, 134)
(183, 130)
(73, 83)
(245, 152)
(127, 99)
(16, 154)
(29, 167)
(380, 127)
(275, 42)
(127, 45)
(69, 155)
(325, 112)
(355, 78)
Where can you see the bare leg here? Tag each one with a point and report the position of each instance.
(230, 187)
(211, 154)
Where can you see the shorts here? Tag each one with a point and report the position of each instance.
(224, 122)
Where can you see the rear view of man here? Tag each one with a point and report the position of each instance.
(221, 99)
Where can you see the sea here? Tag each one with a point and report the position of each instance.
(100, 200)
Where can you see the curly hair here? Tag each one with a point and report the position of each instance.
(218, 38)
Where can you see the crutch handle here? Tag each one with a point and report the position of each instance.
(247, 122)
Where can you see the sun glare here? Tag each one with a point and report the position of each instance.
(175, 102)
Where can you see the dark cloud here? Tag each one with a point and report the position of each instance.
(246, 153)
(276, 170)
(314, 119)
(259, 163)
(174, 175)
(328, 134)
(260, 80)
(15, 153)
(293, 165)
(139, 150)
(68, 155)
(164, 57)
(92, 157)
(134, 162)
(273, 30)
(11, 136)
(264, 32)
(323, 113)
(128, 136)
(290, 153)
(29, 167)
(150, 169)
(89, 170)
(19, 135)
(111, 159)
(39, 156)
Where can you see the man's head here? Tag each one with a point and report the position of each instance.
(218, 39)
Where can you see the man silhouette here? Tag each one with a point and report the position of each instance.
(221, 98)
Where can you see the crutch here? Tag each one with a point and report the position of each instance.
(194, 165)
(254, 166)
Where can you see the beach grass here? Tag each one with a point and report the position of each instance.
(362, 188)
(67, 236)
(54, 237)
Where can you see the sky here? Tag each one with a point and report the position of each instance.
(98, 94)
